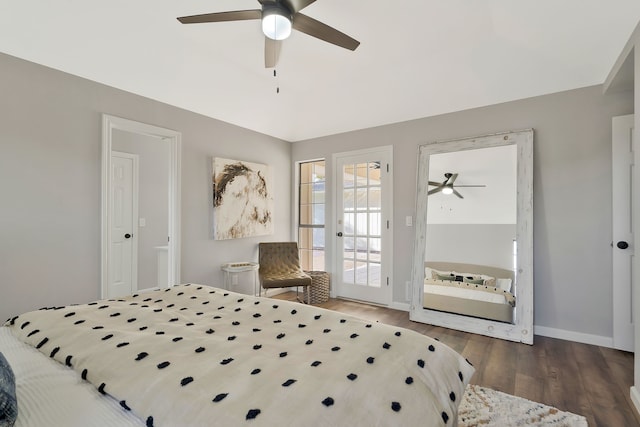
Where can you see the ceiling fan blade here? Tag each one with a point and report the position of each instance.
(296, 6)
(271, 52)
(435, 183)
(464, 185)
(457, 194)
(451, 178)
(434, 191)
(317, 29)
(238, 15)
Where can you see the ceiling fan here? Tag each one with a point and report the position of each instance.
(278, 18)
(447, 186)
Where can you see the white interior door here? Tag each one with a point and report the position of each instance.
(124, 204)
(363, 188)
(623, 243)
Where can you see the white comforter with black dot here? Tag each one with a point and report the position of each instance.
(195, 355)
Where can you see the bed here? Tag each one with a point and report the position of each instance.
(194, 355)
(469, 289)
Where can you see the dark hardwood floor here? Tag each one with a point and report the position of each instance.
(584, 379)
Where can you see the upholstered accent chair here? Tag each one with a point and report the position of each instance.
(280, 266)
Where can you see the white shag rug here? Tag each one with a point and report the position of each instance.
(485, 407)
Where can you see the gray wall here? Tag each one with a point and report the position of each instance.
(572, 193)
(50, 154)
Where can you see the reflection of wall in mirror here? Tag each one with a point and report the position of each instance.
(482, 244)
(480, 227)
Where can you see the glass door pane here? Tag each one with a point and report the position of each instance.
(361, 205)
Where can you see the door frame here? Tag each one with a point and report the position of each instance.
(388, 242)
(135, 165)
(109, 124)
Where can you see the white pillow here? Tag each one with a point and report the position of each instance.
(504, 284)
(427, 273)
(435, 273)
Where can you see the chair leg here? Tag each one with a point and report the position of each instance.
(301, 299)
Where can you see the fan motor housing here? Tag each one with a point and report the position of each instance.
(276, 21)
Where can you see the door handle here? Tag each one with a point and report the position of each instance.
(339, 234)
(128, 236)
(622, 244)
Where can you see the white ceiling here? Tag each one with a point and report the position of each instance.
(417, 58)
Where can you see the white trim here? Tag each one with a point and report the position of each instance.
(635, 398)
(573, 336)
(296, 201)
(618, 70)
(109, 123)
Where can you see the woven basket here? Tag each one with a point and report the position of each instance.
(318, 292)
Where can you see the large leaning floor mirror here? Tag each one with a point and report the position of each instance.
(473, 251)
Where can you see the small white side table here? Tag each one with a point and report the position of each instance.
(233, 269)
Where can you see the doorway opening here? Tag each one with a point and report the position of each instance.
(159, 265)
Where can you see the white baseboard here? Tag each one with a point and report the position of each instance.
(546, 332)
(635, 398)
(573, 336)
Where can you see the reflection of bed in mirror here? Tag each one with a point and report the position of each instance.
(470, 289)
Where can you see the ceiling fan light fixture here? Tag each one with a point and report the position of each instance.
(447, 190)
(276, 23)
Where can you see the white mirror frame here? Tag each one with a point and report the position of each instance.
(522, 330)
(109, 123)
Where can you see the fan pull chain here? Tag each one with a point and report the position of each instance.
(275, 74)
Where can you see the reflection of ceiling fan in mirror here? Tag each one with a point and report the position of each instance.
(278, 18)
(447, 186)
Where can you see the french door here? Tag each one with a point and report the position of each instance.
(363, 188)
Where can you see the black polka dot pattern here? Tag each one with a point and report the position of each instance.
(197, 344)
(253, 413)
(220, 397)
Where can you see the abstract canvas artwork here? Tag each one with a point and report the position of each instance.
(242, 199)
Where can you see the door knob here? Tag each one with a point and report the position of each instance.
(622, 244)
(127, 236)
(339, 234)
